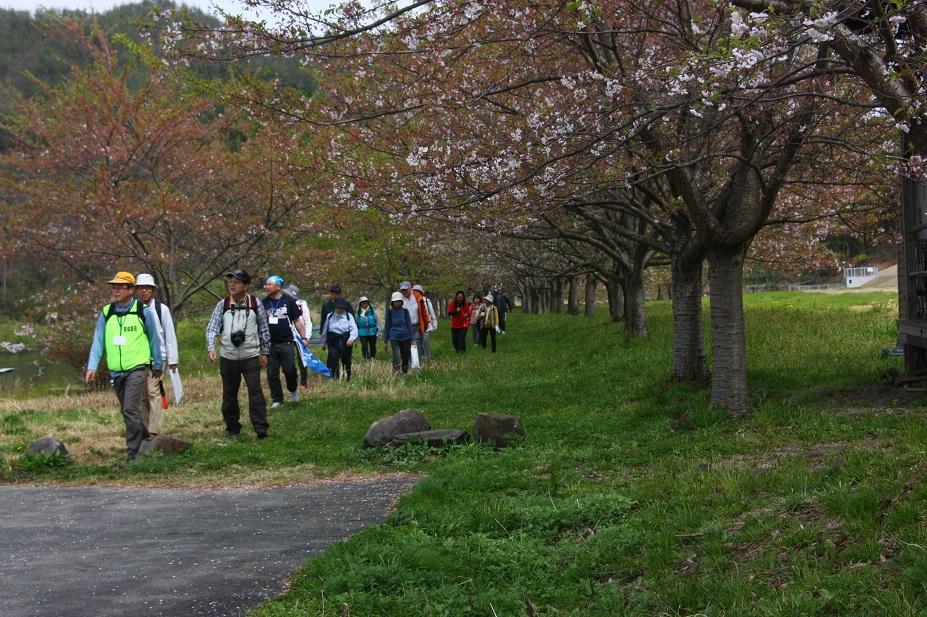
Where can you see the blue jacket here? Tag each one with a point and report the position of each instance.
(367, 322)
(398, 325)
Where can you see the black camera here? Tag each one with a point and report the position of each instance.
(238, 337)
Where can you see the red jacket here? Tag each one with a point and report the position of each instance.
(459, 319)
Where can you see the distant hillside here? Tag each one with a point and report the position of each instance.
(29, 47)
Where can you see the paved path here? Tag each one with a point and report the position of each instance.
(75, 552)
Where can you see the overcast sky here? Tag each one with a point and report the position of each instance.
(99, 6)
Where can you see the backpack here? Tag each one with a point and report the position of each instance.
(109, 310)
(157, 307)
(228, 306)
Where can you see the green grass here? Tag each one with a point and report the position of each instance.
(812, 506)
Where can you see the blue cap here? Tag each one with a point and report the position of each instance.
(275, 279)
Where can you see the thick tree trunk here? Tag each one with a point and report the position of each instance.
(728, 344)
(688, 343)
(573, 296)
(615, 298)
(635, 311)
(589, 299)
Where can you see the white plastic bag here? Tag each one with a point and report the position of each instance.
(414, 361)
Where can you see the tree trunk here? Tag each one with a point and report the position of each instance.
(635, 311)
(573, 296)
(688, 344)
(556, 296)
(615, 298)
(728, 344)
(589, 299)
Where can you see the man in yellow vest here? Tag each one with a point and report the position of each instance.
(128, 333)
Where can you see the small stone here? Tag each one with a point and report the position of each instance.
(48, 446)
(385, 429)
(165, 444)
(498, 428)
(435, 439)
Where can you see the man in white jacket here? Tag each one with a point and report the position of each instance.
(151, 409)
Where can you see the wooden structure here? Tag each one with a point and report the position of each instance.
(912, 276)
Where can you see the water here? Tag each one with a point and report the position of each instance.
(35, 373)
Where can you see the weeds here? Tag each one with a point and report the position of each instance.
(32, 462)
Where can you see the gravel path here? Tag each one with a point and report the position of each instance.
(75, 552)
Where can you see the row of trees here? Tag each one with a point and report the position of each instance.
(456, 141)
(618, 136)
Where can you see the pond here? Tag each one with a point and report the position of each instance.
(35, 373)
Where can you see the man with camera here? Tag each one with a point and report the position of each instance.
(240, 323)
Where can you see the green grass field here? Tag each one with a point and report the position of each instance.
(815, 505)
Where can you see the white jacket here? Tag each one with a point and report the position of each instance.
(433, 319)
(307, 320)
(169, 351)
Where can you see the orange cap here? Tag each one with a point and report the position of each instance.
(123, 278)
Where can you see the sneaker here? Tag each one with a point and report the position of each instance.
(275, 404)
(294, 397)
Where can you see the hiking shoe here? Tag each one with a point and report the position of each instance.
(275, 404)
(294, 397)
(262, 435)
(232, 434)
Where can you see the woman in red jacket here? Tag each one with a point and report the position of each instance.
(459, 312)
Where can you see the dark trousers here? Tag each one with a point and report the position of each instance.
(368, 346)
(339, 355)
(475, 329)
(129, 388)
(402, 356)
(502, 317)
(492, 333)
(303, 371)
(232, 371)
(281, 357)
(459, 338)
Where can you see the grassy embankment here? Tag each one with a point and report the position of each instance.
(813, 506)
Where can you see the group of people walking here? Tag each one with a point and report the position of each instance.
(136, 333)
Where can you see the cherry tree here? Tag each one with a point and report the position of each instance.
(107, 174)
(510, 116)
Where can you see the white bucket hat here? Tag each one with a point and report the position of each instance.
(146, 280)
(363, 299)
(396, 296)
(488, 298)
